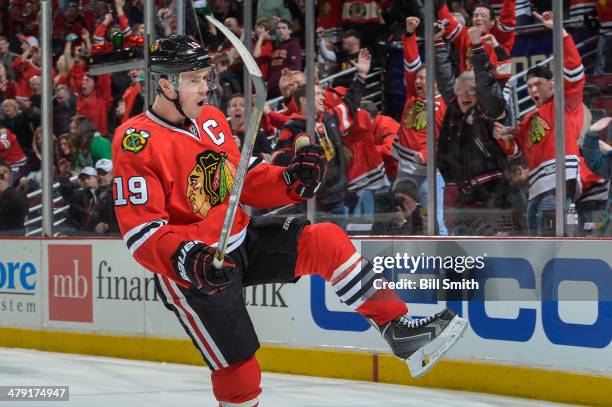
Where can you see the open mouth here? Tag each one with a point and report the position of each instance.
(202, 102)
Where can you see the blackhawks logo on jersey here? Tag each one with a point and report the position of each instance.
(537, 129)
(416, 117)
(210, 181)
(134, 140)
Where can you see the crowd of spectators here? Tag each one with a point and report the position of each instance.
(485, 171)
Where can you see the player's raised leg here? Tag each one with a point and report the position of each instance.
(325, 249)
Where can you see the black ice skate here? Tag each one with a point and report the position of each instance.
(422, 342)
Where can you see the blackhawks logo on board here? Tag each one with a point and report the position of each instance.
(416, 117)
(134, 140)
(210, 181)
(537, 129)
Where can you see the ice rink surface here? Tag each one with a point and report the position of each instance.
(110, 382)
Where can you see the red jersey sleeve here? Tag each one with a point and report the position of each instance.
(454, 30)
(126, 30)
(520, 137)
(503, 30)
(412, 62)
(264, 186)
(385, 133)
(277, 119)
(100, 33)
(573, 75)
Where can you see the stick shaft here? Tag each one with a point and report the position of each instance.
(249, 137)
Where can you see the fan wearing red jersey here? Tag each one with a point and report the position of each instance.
(175, 166)
(535, 135)
(501, 28)
(410, 146)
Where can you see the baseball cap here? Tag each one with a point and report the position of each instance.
(105, 165)
(89, 171)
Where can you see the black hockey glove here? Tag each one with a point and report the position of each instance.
(306, 170)
(193, 262)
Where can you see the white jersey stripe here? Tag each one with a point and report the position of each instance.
(351, 260)
(182, 314)
(209, 341)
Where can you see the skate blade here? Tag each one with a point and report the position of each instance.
(425, 358)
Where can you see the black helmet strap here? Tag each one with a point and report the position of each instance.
(174, 79)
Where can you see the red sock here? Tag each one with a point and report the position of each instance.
(238, 383)
(325, 249)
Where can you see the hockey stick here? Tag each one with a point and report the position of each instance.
(249, 137)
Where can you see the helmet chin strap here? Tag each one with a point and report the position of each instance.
(176, 103)
(175, 84)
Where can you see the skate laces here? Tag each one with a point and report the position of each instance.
(410, 322)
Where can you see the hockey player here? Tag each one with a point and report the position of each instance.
(174, 166)
(410, 146)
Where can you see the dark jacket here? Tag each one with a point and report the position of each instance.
(13, 210)
(467, 149)
(104, 212)
(23, 126)
(82, 203)
(600, 164)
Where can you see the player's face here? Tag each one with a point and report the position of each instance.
(193, 89)
(420, 83)
(540, 89)
(482, 19)
(466, 95)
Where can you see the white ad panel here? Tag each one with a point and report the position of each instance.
(96, 286)
(21, 304)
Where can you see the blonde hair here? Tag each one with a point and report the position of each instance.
(10, 102)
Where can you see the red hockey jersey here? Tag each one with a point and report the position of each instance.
(385, 132)
(604, 11)
(172, 185)
(523, 7)
(580, 7)
(365, 168)
(330, 14)
(502, 30)
(10, 150)
(536, 136)
(412, 136)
